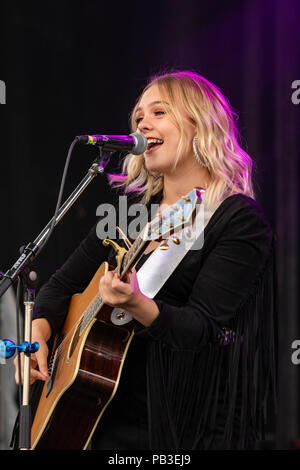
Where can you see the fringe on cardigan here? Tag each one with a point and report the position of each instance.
(217, 398)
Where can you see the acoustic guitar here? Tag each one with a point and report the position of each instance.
(88, 355)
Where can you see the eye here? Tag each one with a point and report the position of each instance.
(159, 112)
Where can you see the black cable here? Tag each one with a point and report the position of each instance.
(60, 194)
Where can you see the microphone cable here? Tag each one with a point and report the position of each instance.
(60, 195)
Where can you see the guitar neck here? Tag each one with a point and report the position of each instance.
(163, 225)
(133, 254)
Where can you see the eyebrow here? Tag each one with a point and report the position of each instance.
(152, 104)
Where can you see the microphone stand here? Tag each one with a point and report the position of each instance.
(30, 280)
(31, 250)
(20, 268)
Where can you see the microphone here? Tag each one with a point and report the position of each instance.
(135, 143)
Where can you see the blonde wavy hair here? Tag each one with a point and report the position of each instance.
(230, 167)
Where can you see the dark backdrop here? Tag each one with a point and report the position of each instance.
(77, 67)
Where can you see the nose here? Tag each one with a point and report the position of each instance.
(145, 124)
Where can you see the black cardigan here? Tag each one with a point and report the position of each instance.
(190, 386)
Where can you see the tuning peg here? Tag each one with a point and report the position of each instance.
(185, 198)
(176, 240)
(164, 246)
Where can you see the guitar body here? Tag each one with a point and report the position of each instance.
(85, 374)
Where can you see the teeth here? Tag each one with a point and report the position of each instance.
(154, 141)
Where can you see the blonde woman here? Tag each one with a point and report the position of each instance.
(202, 360)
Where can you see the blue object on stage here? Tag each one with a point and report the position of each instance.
(8, 347)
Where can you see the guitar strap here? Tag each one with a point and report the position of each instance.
(162, 262)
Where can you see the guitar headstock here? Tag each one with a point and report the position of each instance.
(174, 217)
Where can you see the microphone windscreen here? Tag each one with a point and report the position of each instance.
(141, 143)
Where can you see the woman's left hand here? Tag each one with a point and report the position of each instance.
(126, 294)
(123, 293)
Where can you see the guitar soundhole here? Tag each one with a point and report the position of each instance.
(74, 340)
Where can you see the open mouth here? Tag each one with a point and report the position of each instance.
(153, 144)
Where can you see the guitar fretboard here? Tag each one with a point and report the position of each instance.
(131, 255)
(90, 312)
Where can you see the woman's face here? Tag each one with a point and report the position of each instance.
(162, 134)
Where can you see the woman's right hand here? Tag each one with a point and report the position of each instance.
(41, 332)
